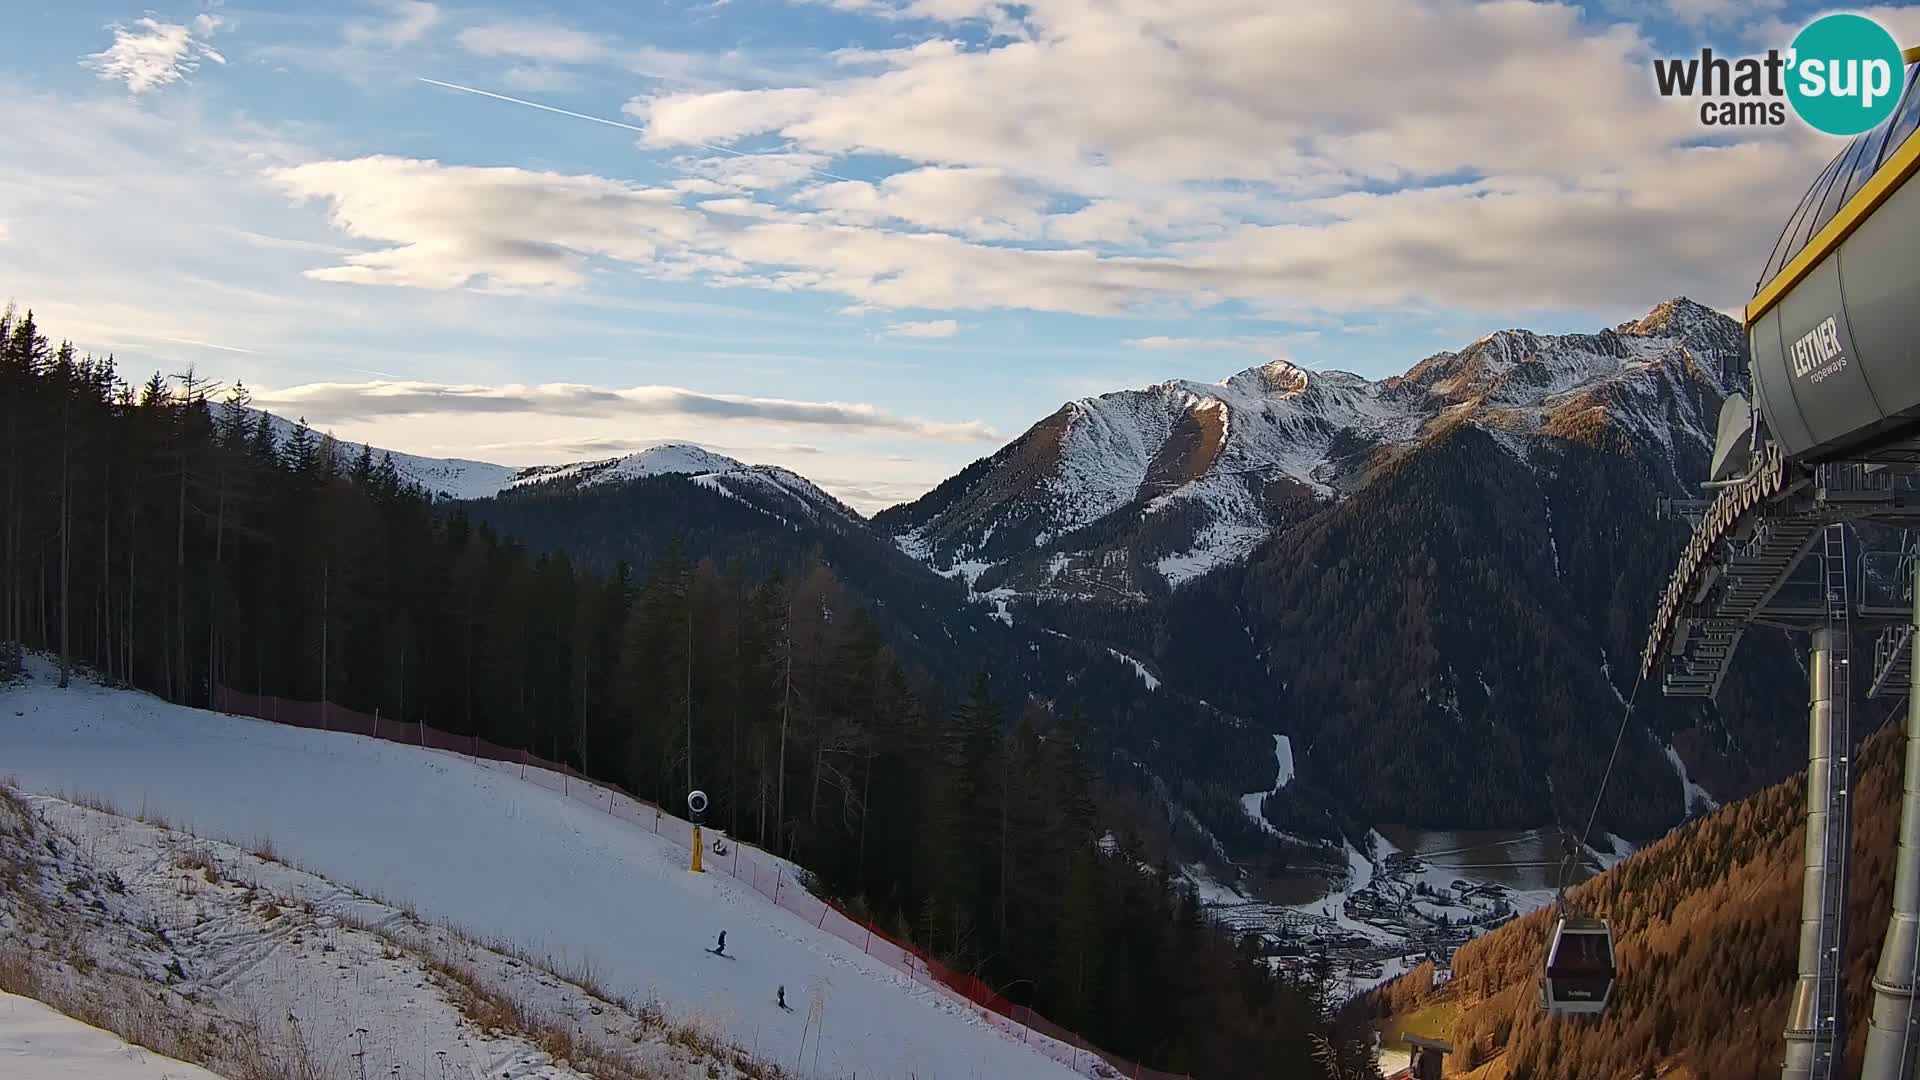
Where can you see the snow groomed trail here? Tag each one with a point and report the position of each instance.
(509, 860)
(37, 1043)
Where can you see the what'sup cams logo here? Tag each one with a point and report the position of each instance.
(1843, 74)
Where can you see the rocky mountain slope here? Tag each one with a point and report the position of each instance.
(1129, 493)
(1436, 583)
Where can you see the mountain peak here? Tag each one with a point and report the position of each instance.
(682, 458)
(1274, 376)
(1679, 317)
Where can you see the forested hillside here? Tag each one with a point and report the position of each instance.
(1706, 924)
(170, 541)
(1182, 764)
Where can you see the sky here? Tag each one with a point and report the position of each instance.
(869, 240)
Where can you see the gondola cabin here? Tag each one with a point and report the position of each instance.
(1579, 975)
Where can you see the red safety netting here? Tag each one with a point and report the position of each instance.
(767, 874)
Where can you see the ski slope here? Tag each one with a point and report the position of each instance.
(38, 1043)
(506, 860)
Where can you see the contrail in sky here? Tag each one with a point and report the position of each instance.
(609, 123)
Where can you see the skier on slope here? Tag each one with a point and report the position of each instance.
(780, 998)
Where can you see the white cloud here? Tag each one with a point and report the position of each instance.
(1551, 119)
(408, 21)
(1700, 12)
(1900, 20)
(752, 172)
(1211, 344)
(984, 203)
(1694, 222)
(532, 41)
(1263, 94)
(538, 77)
(150, 54)
(447, 225)
(936, 328)
(325, 403)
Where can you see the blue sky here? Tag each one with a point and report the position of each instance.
(866, 239)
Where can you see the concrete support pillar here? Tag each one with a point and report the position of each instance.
(1893, 1044)
(1802, 1052)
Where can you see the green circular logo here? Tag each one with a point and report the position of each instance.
(1845, 74)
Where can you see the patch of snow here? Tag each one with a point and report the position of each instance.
(1250, 802)
(1138, 667)
(969, 571)
(1693, 793)
(672, 458)
(1210, 892)
(1616, 849)
(1217, 545)
(1606, 672)
(1390, 969)
(38, 1043)
(1553, 545)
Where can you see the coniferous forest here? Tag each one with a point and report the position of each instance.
(162, 534)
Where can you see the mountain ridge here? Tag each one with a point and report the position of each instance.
(1241, 458)
(1110, 539)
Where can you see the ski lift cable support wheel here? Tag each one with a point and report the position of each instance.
(1578, 976)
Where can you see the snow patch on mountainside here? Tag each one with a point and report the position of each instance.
(1138, 667)
(1104, 454)
(445, 478)
(1217, 545)
(1695, 795)
(1250, 802)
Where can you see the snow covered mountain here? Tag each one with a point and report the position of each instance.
(462, 479)
(1128, 493)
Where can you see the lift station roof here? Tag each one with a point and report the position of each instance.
(1834, 326)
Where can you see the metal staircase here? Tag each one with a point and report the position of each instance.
(1893, 649)
(1754, 567)
(1829, 1019)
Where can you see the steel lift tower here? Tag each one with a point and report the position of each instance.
(1827, 454)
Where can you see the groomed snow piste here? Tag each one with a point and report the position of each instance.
(37, 1043)
(506, 860)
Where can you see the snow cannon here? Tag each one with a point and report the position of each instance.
(697, 813)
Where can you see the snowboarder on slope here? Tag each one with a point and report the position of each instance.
(720, 948)
(780, 998)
